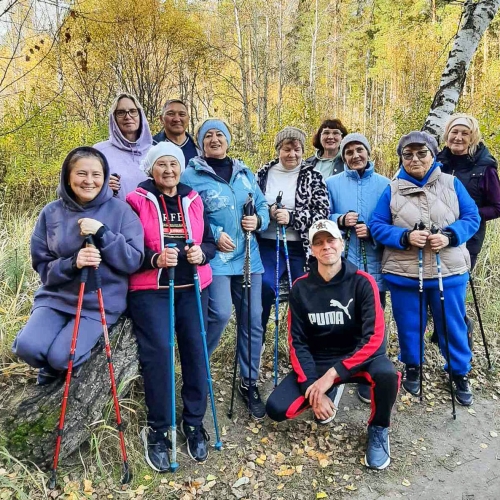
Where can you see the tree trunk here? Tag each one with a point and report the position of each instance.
(476, 16)
(30, 413)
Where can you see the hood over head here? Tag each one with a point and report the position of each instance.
(66, 193)
(144, 140)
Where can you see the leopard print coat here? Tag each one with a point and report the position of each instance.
(311, 199)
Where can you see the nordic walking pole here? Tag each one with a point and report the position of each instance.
(434, 230)
(421, 227)
(478, 314)
(197, 290)
(249, 210)
(83, 279)
(277, 290)
(171, 343)
(127, 475)
(363, 250)
(347, 239)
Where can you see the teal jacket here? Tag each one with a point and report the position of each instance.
(223, 204)
(348, 191)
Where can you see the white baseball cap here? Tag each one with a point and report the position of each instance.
(324, 225)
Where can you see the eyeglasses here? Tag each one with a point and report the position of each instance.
(420, 154)
(326, 133)
(121, 113)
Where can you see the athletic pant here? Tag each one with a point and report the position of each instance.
(223, 292)
(405, 308)
(297, 259)
(46, 338)
(149, 312)
(287, 400)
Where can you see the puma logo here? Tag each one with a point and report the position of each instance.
(336, 303)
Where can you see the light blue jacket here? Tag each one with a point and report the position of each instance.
(348, 191)
(224, 207)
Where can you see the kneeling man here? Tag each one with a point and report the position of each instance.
(336, 336)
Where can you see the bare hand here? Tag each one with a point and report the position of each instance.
(282, 216)
(319, 388)
(362, 231)
(89, 226)
(194, 254)
(418, 238)
(114, 183)
(272, 211)
(325, 408)
(168, 257)
(225, 243)
(249, 223)
(88, 256)
(438, 241)
(350, 219)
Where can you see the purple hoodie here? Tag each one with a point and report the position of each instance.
(56, 240)
(125, 157)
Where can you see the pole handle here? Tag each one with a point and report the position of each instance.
(279, 198)
(190, 244)
(171, 270)
(249, 206)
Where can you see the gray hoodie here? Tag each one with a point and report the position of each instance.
(56, 240)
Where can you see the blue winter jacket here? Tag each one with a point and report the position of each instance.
(224, 207)
(348, 191)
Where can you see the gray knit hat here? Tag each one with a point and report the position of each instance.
(354, 137)
(417, 137)
(290, 134)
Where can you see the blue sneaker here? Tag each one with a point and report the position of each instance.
(378, 451)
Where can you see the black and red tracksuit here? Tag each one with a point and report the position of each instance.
(339, 324)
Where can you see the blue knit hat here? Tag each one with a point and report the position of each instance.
(354, 137)
(210, 124)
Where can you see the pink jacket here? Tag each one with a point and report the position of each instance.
(145, 205)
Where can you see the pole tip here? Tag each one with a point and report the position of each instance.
(174, 466)
(127, 475)
(52, 482)
(218, 445)
(230, 415)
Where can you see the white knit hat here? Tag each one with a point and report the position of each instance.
(164, 148)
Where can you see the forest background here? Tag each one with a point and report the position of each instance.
(261, 65)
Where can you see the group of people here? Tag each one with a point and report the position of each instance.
(351, 235)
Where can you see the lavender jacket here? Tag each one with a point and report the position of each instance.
(56, 240)
(125, 157)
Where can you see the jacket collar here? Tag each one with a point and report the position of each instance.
(353, 174)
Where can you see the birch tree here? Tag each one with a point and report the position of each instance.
(476, 17)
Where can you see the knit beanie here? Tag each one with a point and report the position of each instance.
(164, 148)
(210, 124)
(417, 137)
(290, 134)
(354, 137)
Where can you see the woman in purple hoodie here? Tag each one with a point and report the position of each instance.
(129, 141)
(86, 206)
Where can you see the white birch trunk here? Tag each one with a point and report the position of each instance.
(477, 16)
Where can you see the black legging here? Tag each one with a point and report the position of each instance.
(287, 401)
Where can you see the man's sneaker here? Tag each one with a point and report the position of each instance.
(156, 447)
(411, 382)
(257, 407)
(47, 375)
(463, 394)
(335, 394)
(365, 393)
(378, 451)
(197, 439)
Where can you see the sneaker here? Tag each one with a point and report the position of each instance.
(156, 447)
(335, 394)
(197, 439)
(411, 382)
(365, 393)
(463, 394)
(378, 451)
(47, 375)
(257, 407)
